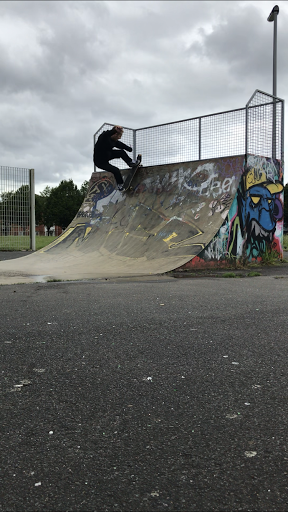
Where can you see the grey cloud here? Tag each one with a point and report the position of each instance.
(243, 40)
(67, 51)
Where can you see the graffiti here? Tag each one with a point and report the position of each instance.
(62, 237)
(84, 214)
(99, 190)
(217, 249)
(260, 207)
(221, 205)
(170, 237)
(210, 179)
(203, 182)
(254, 222)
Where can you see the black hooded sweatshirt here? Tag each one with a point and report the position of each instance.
(104, 146)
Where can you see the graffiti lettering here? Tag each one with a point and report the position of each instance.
(85, 215)
(217, 248)
(220, 205)
(213, 187)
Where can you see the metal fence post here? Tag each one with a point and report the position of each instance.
(199, 136)
(134, 145)
(94, 142)
(274, 137)
(32, 209)
(246, 133)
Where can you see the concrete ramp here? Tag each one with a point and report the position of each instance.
(170, 215)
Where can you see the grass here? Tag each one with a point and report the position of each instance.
(42, 241)
(285, 242)
(269, 257)
(22, 243)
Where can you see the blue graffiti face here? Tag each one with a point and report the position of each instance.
(259, 210)
(260, 207)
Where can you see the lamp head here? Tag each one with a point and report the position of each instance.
(273, 13)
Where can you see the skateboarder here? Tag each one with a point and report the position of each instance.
(104, 152)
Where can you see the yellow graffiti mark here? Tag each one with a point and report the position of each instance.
(169, 237)
(258, 177)
(254, 177)
(255, 199)
(131, 235)
(58, 240)
(187, 242)
(87, 232)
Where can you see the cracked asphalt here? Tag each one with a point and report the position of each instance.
(143, 395)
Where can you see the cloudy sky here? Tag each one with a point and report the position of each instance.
(68, 67)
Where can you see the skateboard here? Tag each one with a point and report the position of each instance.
(132, 173)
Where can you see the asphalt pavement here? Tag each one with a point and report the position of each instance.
(147, 394)
(12, 255)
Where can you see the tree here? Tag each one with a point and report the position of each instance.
(39, 206)
(59, 205)
(84, 189)
(43, 212)
(63, 202)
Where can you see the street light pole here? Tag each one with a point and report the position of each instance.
(273, 17)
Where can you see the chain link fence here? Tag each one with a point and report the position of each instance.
(265, 125)
(257, 128)
(17, 206)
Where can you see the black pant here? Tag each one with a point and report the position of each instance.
(106, 166)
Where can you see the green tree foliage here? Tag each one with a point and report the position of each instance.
(286, 204)
(59, 205)
(43, 214)
(84, 189)
(63, 202)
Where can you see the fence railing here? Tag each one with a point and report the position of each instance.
(265, 125)
(257, 128)
(17, 208)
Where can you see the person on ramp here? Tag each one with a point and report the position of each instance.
(104, 152)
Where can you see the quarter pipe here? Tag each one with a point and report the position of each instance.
(169, 216)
